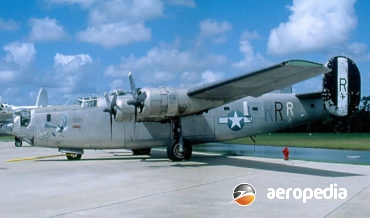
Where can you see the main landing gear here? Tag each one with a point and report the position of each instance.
(179, 149)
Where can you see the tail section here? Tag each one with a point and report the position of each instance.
(42, 98)
(341, 87)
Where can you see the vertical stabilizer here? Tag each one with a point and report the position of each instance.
(42, 98)
(342, 87)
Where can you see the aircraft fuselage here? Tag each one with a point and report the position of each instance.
(87, 127)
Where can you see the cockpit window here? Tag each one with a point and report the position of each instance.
(25, 117)
(88, 101)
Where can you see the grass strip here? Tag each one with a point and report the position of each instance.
(355, 141)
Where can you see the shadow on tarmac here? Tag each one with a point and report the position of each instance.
(261, 165)
(215, 160)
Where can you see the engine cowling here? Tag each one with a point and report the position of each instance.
(341, 87)
(160, 104)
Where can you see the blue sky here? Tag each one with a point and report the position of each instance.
(83, 47)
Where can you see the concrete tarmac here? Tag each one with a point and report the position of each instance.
(38, 182)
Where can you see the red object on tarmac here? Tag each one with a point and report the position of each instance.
(286, 153)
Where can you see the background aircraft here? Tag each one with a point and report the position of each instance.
(179, 117)
(7, 111)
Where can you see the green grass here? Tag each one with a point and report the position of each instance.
(316, 140)
(6, 138)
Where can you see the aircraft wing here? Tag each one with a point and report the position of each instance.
(259, 82)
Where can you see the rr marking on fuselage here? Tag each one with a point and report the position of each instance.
(279, 108)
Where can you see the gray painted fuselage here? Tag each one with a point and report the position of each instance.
(88, 127)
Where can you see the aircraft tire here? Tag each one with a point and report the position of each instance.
(18, 142)
(174, 154)
(73, 156)
(141, 151)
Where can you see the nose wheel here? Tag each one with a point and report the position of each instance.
(179, 149)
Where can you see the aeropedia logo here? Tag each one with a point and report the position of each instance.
(244, 194)
(332, 192)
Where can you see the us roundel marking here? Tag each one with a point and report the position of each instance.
(235, 120)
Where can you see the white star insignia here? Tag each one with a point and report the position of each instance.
(235, 120)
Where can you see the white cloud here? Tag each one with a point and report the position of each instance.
(157, 60)
(20, 53)
(114, 34)
(16, 70)
(46, 29)
(72, 74)
(167, 64)
(119, 22)
(313, 26)
(252, 60)
(213, 30)
(71, 63)
(212, 27)
(210, 76)
(113, 11)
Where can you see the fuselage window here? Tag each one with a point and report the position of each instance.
(254, 108)
(48, 117)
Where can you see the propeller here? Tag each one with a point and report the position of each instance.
(137, 100)
(138, 97)
(111, 109)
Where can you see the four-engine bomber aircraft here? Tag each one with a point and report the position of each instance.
(178, 117)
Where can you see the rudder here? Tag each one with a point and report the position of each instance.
(341, 87)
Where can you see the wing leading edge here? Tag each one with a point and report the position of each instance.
(260, 81)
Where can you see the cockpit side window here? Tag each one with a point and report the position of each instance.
(88, 102)
(25, 116)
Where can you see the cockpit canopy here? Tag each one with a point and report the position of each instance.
(88, 101)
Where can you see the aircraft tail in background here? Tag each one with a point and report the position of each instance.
(42, 98)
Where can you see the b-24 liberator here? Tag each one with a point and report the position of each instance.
(179, 117)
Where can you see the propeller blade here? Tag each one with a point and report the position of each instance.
(137, 100)
(107, 98)
(111, 127)
(135, 124)
(132, 84)
(113, 104)
(111, 110)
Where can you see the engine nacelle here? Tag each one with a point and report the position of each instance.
(161, 104)
(341, 87)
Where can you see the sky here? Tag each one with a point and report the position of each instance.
(87, 47)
